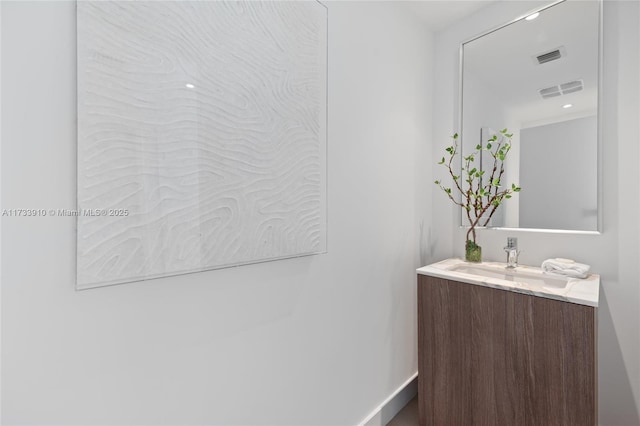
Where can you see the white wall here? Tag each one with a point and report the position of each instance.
(615, 253)
(314, 340)
(1, 205)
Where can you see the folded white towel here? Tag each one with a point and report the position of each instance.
(565, 267)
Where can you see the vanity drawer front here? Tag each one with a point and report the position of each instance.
(495, 357)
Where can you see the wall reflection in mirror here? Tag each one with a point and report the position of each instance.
(539, 78)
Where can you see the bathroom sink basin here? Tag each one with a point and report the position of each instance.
(515, 275)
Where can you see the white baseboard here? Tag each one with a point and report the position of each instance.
(393, 404)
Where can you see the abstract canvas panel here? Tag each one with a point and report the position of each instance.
(201, 136)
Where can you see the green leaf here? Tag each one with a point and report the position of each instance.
(456, 177)
(501, 157)
(478, 147)
(447, 190)
(489, 146)
(437, 182)
(509, 135)
(517, 189)
(503, 131)
(455, 136)
(507, 196)
(441, 161)
(496, 182)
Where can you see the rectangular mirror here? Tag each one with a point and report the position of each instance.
(538, 76)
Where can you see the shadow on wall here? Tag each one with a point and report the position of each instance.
(618, 307)
(613, 374)
(426, 246)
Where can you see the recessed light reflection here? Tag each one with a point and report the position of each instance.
(532, 16)
(190, 86)
(567, 106)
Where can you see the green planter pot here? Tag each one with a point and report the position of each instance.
(472, 252)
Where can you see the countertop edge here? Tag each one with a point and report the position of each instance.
(580, 291)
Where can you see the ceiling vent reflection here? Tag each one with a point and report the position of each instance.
(561, 89)
(552, 55)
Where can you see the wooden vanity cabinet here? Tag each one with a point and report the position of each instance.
(495, 357)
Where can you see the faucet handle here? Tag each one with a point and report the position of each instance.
(512, 252)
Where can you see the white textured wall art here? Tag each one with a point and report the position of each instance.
(201, 136)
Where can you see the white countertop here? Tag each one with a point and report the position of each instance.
(524, 279)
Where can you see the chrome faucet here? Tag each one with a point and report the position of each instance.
(512, 252)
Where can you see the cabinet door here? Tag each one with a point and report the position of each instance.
(444, 353)
(493, 357)
(564, 363)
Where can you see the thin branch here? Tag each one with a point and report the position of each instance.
(478, 199)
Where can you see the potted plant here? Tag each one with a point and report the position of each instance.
(479, 192)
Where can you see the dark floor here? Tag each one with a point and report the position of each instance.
(408, 416)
